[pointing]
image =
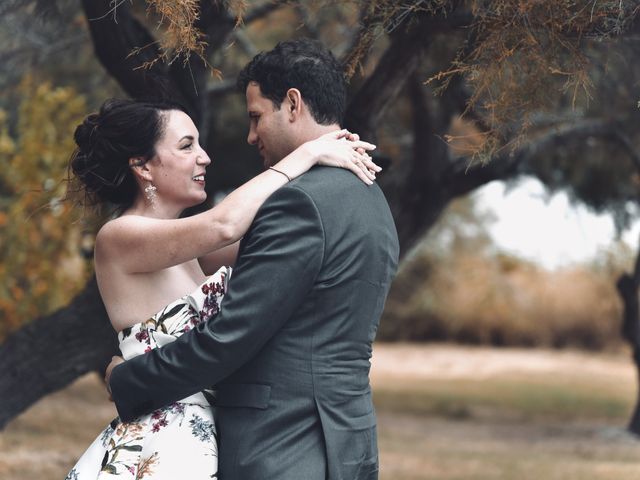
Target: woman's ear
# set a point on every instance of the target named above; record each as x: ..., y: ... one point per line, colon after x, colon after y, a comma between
x: 293, y: 103
x: 140, y: 168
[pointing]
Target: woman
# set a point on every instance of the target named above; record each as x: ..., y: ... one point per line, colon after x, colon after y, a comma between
x: 145, y: 158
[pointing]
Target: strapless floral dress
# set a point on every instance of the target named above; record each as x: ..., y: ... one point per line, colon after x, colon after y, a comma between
x: 175, y: 442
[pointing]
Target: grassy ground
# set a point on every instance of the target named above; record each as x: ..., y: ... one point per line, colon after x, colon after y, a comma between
x: 459, y: 413
x: 444, y: 412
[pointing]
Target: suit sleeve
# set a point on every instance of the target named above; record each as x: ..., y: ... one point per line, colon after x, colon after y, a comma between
x: 279, y: 260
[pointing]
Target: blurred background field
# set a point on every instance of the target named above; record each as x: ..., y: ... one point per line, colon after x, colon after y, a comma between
x: 445, y: 412
x: 448, y: 412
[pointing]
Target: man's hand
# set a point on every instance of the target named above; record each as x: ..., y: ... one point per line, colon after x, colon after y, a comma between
x: 115, y: 361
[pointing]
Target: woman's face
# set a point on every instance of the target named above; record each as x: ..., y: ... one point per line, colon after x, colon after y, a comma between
x: 178, y: 168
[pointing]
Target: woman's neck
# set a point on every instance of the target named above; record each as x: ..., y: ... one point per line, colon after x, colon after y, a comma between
x: 157, y: 209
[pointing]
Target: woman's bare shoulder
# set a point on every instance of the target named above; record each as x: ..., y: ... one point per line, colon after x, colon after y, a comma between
x: 114, y: 233
x: 119, y: 227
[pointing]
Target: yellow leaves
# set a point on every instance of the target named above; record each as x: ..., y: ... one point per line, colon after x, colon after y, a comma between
x: 17, y: 293
x: 7, y: 146
x: 238, y: 9
x: 181, y: 36
x: 526, y: 54
x: 41, y: 265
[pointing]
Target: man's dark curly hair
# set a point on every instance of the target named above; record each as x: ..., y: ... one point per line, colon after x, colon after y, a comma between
x: 303, y: 64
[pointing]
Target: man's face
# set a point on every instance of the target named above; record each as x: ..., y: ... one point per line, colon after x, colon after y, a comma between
x: 269, y: 128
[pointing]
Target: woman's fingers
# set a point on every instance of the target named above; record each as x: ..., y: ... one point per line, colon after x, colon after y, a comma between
x: 367, y: 160
x: 354, y: 164
x: 353, y: 137
x: 337, y: 134
x: 362, y: 167
x: 360, y: 173
x: 349, y: 152
x: 363, y: 145
x: 369, y: 163
x: 366, y: 163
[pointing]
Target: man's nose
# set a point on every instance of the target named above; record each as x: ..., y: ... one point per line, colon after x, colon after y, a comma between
x: 252, y: 138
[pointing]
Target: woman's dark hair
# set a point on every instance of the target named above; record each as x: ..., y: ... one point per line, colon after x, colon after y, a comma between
x: 106, y: 140
x: 303, y: 64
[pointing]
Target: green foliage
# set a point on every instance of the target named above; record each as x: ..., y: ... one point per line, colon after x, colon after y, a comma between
x: 41, y: 266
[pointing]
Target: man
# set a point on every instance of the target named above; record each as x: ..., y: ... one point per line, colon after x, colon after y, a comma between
x: 289, y: 352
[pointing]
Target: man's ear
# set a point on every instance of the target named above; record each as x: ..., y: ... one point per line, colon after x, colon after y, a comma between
x: 140, y: 168
x: 293, y: 103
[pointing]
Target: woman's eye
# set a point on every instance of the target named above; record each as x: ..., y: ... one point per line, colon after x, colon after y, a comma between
x: 187, y: 146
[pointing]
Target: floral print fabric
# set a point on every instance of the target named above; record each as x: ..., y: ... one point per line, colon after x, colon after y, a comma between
x: 177, y: 441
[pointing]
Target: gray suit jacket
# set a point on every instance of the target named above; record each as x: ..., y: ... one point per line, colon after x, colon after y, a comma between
x: 290, y: 349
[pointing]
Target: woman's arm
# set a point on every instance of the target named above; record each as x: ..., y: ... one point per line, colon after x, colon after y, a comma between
x: 225, y: 256
x: 136, y: 244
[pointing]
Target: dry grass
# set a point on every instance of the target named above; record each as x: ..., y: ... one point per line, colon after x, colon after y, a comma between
x: 421, y: 448
x: 44, y: 442
x: 450, y: 413
x: 504, y: 301
x: 445, y: 413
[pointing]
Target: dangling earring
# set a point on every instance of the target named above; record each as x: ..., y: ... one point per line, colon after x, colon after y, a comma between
x: 150, y: 194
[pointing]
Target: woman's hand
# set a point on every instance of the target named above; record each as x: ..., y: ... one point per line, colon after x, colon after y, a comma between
x: 345, y: 150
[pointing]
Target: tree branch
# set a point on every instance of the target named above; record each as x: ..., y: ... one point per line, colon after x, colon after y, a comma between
x: 626, y: 143
x: 244, y: 42
x: 399, y: 61
x: 263, y: 10
x: 464, y: 178
x: 310, y: 25
x: 221, y: 88
x: 385, y: 83
x: 19, y: 54
x: 49, y: 353
x: 189, y: 79
x: 361, y: 42
x: 417, y: 195
x: 114, y: 43
x: 10, y: 6
x: 634, y: 155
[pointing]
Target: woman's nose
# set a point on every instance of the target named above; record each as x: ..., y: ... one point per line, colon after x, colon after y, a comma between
x: 203, y: 158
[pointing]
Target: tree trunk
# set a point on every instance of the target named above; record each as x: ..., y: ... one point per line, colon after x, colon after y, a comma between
x: 125, y: 46
x: 51, y: 352
x: 114, y: 43
x: 628, y: 290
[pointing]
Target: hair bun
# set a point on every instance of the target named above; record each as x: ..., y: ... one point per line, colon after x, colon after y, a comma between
x: 86, y: 133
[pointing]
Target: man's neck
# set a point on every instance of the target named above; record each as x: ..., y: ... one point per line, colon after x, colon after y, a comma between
x: 316, y: 130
